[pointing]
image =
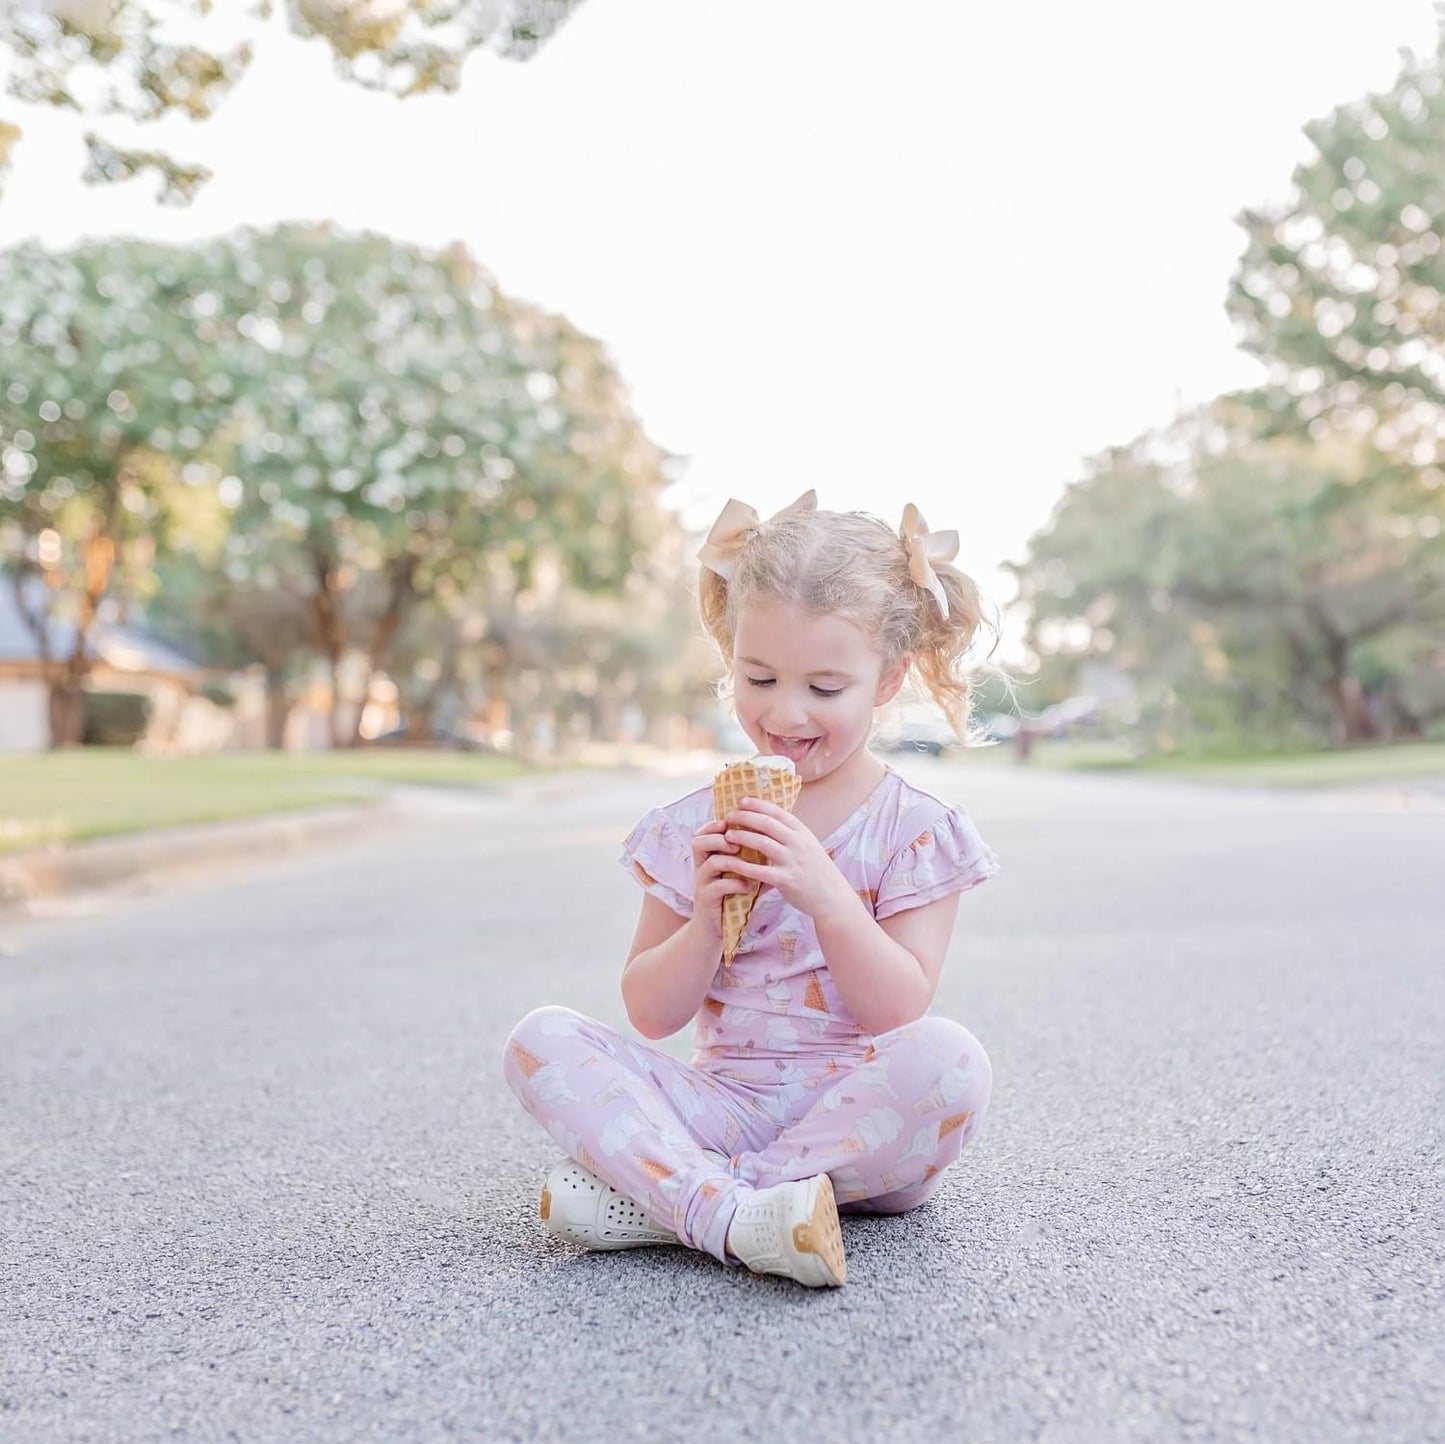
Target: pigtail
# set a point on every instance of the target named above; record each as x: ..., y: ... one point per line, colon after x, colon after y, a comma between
x: 712, y: 606
x: 942, y: 645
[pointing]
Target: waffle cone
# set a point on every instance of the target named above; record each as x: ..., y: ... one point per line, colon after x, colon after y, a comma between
x: 735, y: 782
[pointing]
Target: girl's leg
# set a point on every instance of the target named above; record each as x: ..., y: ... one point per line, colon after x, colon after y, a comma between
x: 654, y: 1128
x: 886, y: 1130
x: 900, y: 1202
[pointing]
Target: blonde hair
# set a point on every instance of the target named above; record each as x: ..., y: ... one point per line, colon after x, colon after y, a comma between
x: 854, y: 566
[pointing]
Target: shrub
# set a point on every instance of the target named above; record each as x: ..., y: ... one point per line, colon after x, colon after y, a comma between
x: 115, y: 719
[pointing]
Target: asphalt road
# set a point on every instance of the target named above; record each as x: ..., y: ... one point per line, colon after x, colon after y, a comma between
x: 260, y: 1178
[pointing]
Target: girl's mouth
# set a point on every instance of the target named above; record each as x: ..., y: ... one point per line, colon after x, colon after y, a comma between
x: 793, y: 748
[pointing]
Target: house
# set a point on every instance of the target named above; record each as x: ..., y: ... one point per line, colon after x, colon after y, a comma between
x: 123, y: 659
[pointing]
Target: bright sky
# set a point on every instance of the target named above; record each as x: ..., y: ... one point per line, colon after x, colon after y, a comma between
x: 941, y: 258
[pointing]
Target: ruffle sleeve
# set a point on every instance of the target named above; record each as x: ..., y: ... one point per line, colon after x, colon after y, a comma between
x: 659, y: 855
x: 948, y: 857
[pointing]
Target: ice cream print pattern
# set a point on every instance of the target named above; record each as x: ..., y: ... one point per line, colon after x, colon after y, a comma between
x: 775, y: 1002
x: 682, y: 1140
x: 782, y: 1085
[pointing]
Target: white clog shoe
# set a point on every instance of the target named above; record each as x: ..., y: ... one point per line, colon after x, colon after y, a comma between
x: 791, y: 1229
x: 583, y: 1209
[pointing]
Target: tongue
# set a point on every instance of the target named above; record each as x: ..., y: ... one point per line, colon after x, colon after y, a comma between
x: 793, y: 749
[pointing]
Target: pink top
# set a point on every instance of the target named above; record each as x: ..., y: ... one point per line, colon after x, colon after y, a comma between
x: 901, y: 848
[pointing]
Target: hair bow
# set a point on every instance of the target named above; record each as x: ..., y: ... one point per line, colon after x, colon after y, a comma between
x: 925, y: 548
x: 737, y: 522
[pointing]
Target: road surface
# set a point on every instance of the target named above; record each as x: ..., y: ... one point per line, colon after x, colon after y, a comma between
x: 260, y: 1178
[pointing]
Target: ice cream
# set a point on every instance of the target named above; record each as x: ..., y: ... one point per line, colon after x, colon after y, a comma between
x: 773, y: 779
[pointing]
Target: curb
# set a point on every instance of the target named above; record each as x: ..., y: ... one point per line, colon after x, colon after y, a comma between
x: 148, y: 857
x: 28, y: 877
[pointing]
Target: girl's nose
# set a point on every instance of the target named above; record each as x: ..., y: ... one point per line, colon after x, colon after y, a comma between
x: 786, y: 724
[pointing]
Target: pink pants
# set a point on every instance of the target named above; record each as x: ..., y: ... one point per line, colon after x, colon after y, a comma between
x: 681, y: 1140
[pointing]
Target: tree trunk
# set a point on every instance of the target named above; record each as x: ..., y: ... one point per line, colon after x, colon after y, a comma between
x: 1352, y: 719
x: 65, y: 678
x: 330, y: 634
x: 1346, y: 696
x: 496, y: 704
x: 278, y: 709
x: 418, y: 710
x: 416, y: 722
x: 67, y: 688
x: 66, y: 712
x: 399, y: 595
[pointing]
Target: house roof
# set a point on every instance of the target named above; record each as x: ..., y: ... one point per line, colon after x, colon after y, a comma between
x: 126, y: 649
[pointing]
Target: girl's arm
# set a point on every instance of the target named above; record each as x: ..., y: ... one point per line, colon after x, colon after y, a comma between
x: 668, y: 968
x: 886, y: 972
x: 673, y: 959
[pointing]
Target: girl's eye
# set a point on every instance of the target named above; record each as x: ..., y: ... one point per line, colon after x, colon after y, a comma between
x: 818, y: 691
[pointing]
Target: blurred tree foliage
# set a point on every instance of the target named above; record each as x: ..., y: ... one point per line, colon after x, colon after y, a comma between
x: 552, y: 658
x: 1341, y: 291
x: 140, y: 60
x: 1270, y: 567
x: 310, y: 437
x: 103, y: 438
x: 401, y: 418
x: 236, y: 623
x: 1252, y: 583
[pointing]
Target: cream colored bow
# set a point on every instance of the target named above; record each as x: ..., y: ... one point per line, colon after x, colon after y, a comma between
x: 737, y: 522
x: 925, y: 548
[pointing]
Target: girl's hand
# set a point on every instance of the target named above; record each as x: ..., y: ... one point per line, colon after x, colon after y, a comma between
x: 796, y: 863
x: 713, y: 860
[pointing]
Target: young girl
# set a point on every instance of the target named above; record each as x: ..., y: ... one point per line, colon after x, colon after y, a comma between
x: 815, y: 1072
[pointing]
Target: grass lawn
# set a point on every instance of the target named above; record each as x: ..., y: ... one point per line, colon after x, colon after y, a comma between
x: 1356, y: 766
x: 99, y: 792
x: 61, y: 797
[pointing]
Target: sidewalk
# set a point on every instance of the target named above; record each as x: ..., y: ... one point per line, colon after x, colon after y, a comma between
x: 144, y: 859
x: 28, y: 877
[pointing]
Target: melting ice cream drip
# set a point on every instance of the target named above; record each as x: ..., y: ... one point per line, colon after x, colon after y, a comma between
x: 772, y: 764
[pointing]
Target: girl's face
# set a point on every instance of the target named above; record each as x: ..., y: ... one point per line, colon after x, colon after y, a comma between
x: 805, y: 686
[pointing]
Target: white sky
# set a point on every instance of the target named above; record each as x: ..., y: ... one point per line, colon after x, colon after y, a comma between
x: 940, y: 258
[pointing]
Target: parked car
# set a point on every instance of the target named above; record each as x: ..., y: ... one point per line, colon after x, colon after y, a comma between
x: 1000, y: 726
x: 916, y: 727
x: 440, y: 740
x: 1063, y: 717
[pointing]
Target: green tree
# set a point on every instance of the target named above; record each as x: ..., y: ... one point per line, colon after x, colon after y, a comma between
x: 143, y: 59
x: 1341, y: 293
x: 1341, y: 289
x: 401, y: 417
x: 551, y: 655
x: 257, y: 617
x: 1249, y: 581
x: 107, y: 415
x: 384, y: 413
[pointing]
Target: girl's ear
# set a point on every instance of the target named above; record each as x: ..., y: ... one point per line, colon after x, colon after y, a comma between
x: 892, y: 680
